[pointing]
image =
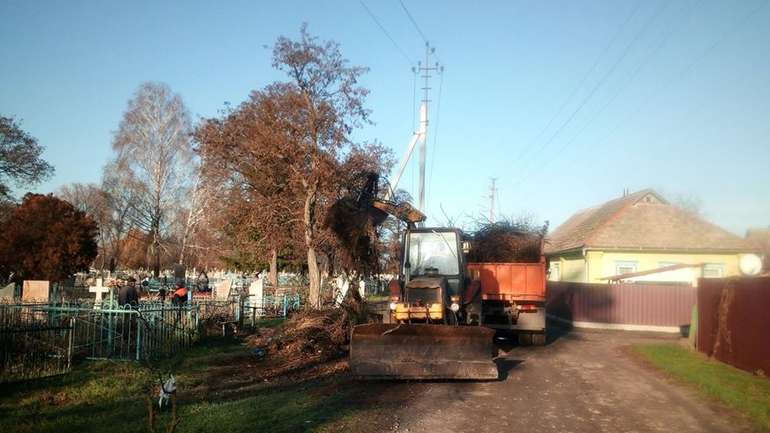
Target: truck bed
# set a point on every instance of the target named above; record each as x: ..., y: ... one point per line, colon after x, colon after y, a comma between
x: 510, y: 281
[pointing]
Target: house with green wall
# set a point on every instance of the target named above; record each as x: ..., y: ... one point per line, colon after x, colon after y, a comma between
x: 637, y: 234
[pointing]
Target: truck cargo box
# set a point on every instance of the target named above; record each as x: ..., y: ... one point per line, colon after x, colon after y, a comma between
x: 510, y: 281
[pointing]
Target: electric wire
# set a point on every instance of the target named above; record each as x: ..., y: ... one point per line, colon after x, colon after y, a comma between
x: 738, y: 24
x: 376, y: 21
x: 422, y: 35
x: 662, y: 6
x: 527, y: 149
x: 417, y: 27
x: 610, y: 100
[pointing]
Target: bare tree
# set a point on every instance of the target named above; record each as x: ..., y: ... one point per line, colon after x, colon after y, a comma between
x: 122, y: 195
x: 94, y: 202
x: 194, y: 215
x: 690, y: 203
x: 153, y: 149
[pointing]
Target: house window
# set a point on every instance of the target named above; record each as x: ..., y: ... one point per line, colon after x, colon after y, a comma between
x: 713, y: 270
x: 625, y: 267
x: 555, y: 272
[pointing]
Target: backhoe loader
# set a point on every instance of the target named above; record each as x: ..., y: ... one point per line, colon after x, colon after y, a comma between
x: 435, y: 330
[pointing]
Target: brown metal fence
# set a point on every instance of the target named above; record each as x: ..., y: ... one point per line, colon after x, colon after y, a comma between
x: 651, y: 305
x: 733, y: 323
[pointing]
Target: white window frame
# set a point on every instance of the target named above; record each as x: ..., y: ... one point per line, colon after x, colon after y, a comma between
x: 554, y: 276
x: 631, y: 264
x: 719, y: 267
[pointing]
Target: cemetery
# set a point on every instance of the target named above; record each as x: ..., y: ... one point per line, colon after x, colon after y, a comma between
x: 44, y: 331
x: 215, y: 219
x: 244, y: 330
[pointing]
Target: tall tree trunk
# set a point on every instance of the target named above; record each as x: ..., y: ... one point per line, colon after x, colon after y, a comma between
x: 182, y: 247
x: 156, y: 255
x: 314, y: 275
x: 273, y: 275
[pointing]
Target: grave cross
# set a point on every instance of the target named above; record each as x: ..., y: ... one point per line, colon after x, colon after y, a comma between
x: 99, y: 290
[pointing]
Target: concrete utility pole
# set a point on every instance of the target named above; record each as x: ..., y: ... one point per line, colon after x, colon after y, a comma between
x: 426, y: 70
x: 492, y: 194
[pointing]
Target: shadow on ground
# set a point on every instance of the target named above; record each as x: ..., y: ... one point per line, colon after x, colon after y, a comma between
x: 219, y: 390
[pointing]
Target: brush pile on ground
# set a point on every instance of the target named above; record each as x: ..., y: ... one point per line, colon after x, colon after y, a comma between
x: 309, y: 338
x: 507, y: 241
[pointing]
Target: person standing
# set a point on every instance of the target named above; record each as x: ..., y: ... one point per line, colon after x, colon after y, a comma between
x: 180, y: 294
x: 128, y: 294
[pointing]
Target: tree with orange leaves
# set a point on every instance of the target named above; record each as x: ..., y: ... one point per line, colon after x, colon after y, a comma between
x: 46, y: 238
x: 287, y: 153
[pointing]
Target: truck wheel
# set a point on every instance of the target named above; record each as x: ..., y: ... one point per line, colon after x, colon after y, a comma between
x: 538, y: 339
x: 525, y: 339
x: 450, y: 318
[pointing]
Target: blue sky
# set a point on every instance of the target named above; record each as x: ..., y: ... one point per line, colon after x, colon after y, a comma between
x: 566, y: 103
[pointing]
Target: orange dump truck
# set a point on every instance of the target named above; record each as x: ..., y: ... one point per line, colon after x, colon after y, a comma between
x: 512, y: 298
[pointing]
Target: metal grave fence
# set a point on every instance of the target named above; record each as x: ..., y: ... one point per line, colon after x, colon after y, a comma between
x: 34, y: 348
x: 39, y: 340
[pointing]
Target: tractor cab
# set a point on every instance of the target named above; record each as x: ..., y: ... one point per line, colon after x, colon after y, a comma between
x: 432, y: 276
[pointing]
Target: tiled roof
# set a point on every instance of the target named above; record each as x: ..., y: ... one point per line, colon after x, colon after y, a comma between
x: 642, y: 220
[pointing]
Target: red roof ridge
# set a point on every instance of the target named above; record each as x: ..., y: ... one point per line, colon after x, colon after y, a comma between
x: 638, y: 195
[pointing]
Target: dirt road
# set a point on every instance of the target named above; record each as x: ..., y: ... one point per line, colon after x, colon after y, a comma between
x: 581, y: 382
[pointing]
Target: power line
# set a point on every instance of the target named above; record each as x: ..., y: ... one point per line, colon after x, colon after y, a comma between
x: 492, y: 196
x: 604, y: 78
x: 738, y: 24
x: 403, y: 6
x: 376, y: 21
x: 417, y: 27
x: 610, y: 43
x: 610, y: 100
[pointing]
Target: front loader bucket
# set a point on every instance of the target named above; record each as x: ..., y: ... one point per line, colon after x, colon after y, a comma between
x: 420, y: 351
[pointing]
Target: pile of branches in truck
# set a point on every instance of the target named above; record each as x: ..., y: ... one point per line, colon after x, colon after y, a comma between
x: 507, y: 241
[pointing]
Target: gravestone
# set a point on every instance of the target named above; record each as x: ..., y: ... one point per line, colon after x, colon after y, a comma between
x: 222, y: 290
x: 180, y: 274
x: 8, y: 293
x: 256, y: 292
x: 35, y: 290
x: 99, y: 290
x: 343, y: 285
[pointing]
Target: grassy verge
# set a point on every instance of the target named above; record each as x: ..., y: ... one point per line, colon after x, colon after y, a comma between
x: 736, y: 388
x: 108, y: 396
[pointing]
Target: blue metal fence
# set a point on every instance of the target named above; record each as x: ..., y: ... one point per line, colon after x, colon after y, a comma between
x: 42, y: 339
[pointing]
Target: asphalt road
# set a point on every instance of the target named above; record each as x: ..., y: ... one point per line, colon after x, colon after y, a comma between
x: 581, y: 382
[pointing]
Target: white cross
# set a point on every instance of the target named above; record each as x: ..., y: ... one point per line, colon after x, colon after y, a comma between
x: 99, y: 290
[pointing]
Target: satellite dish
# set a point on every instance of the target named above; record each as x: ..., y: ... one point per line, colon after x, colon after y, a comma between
x: 750, y: 264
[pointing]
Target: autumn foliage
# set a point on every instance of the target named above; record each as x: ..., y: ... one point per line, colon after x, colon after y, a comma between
x: 46, y: 238
x: 286, y: 155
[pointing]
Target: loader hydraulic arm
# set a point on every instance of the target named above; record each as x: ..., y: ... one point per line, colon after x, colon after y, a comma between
x: 403, y: 211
